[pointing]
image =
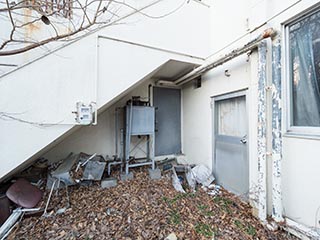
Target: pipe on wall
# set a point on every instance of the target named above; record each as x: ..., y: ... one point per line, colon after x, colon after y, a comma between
x: 262, y: 131
x: 265, y: 123
x: 268, y: 33
x: 277, y: 208
x: 263, y: 41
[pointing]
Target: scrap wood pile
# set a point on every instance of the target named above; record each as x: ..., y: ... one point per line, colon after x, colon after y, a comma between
x: 143, y: 209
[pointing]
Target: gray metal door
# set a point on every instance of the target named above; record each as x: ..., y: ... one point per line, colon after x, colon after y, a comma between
x: 168, y: 120
x: 231, y: 167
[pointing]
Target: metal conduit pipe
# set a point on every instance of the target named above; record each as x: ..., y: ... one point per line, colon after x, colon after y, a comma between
x: 270, y: 32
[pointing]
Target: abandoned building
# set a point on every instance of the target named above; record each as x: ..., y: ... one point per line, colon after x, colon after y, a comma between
x: 231, y: 85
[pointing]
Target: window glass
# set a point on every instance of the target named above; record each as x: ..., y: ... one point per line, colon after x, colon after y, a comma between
x: 304, y: 60
x: 232, y: 117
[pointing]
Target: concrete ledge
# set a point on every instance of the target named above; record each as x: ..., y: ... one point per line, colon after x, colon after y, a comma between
x: 301, y: 231
x: 109, y: 182
x: 125, y: 177
x: 155, y: 174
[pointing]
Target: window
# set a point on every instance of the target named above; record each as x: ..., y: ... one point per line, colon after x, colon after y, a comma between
x: 304, y: 70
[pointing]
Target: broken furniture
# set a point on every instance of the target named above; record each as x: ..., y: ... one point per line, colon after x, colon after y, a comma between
x: 109, y: 182
x: 4, y: 209
x: 93, y: 170
x: 166, y: 164
x: 76, y: 168
x: 24, y: 193
x: 63, y: 172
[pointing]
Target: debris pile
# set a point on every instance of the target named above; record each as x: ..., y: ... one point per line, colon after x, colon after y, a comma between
x: 142, y: 209
x: 19, y: 196
x: 76, y: 168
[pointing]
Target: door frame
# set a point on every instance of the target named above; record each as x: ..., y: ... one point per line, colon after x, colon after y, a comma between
x: 225, y: 96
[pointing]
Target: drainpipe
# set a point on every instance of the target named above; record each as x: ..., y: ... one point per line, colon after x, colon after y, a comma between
x: 262, y: 131
x: 269, y: 128
x: 276, y: 133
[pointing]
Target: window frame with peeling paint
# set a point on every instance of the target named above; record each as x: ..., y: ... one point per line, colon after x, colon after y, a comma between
x: 302, y: 111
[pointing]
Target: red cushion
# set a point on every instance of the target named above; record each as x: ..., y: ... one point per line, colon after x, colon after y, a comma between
x: 24, y: 194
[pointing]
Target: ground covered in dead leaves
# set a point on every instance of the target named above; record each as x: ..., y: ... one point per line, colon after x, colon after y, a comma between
x: 144, y: 209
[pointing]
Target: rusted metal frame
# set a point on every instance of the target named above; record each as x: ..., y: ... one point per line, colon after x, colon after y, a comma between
x: 276, y: 133
x: 262, y: 131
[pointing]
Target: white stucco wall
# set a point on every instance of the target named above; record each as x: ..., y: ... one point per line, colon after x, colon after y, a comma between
x: 300, y: 161
x: 197, y: 113
x: 46, y: 90
x: 172, y: 25
x: 229, y: 27
x: 301, y: 195
x: 99, y: 139
x: 301, y: 199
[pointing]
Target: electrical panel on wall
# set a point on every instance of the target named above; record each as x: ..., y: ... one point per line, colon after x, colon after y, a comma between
x: 85, y: 114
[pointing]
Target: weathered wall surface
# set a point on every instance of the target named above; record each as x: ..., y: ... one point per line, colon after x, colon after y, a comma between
x: 90, y: 70
x: 99, y: 139
x: 231, y: 28
x: 300, y: 177
x: 197, y: 113
x: 172, y: 25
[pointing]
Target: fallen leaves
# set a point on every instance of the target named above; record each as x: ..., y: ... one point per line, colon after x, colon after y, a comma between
x: 144, y: 209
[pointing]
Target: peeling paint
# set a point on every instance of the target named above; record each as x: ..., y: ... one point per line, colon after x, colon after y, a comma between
x: 276, y: 133
x: 262, y: 133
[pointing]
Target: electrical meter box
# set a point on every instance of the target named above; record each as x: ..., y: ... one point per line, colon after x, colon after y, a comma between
x: 84, y: 114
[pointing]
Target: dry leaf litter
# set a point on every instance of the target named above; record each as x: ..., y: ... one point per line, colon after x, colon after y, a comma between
x: 143, y: 209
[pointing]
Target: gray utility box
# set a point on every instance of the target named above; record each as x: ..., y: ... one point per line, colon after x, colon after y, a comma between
x: 140, y: 120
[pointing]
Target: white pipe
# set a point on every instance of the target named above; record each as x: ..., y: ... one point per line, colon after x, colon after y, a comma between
x: 45, y: 214
x: 262, y: 132
x: 268, y: 109
x: 235, y: 53
x: 277, y: 208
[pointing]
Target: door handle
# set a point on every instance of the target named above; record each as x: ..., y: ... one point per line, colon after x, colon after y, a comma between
x: 243, y: 140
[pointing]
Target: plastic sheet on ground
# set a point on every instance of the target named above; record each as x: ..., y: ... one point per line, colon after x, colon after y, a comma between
x: 200, y: 174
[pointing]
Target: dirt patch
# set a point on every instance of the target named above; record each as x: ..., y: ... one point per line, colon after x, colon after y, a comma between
x: 144, y: 209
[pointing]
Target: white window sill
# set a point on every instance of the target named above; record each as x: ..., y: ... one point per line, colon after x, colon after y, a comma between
x: 302, y: 135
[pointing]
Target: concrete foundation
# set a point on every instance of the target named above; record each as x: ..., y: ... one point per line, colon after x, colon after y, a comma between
x: 109, y: 182
x: 125, y: 177
x: 155, y: 174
